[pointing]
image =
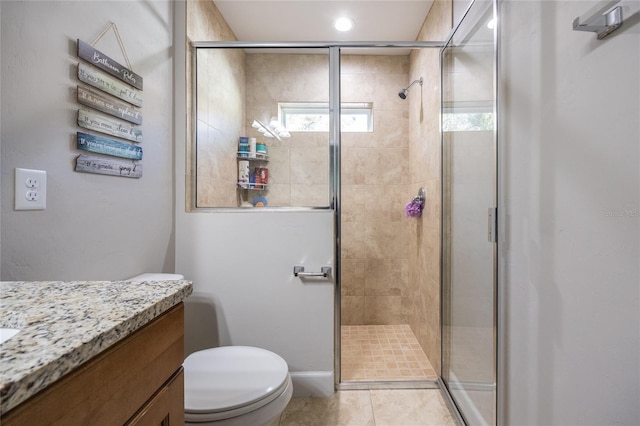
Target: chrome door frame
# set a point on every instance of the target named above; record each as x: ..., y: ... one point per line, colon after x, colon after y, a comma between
x: 334, y: 143
x: 497, y: 419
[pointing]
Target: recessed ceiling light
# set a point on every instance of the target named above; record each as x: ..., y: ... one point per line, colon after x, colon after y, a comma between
x: 343, y: 24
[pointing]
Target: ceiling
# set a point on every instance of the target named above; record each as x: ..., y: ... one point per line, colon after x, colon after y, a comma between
x: 312, y: 20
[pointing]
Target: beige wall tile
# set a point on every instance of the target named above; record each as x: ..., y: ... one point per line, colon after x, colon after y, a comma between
x: 353, y: 277
x: 386, y: 277
x: 279, y: 167
x: 314, y: 195
x: 279, y: 195
x: 391, y: 128
x: 352, y: 310
x: 353, y: 245
x: 391, y: 167
x: 386, y: 240
x: 356, y: 162
x: 354, y: 198
x: 385, y: 203
x: 383, y: 310
x: 309, y: 165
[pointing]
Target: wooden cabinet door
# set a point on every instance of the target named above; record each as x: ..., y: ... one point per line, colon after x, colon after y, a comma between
x: 166, y: 406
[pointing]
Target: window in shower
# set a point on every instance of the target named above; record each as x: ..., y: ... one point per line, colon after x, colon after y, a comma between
x: 468, y: 117
x: 314, y: 116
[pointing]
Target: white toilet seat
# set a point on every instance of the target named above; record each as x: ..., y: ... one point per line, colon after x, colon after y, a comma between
x: 230, y: 381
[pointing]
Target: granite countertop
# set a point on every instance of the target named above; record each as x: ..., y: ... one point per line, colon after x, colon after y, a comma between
x: 64, y: 324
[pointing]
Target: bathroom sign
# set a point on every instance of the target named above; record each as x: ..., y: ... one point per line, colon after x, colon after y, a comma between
x: 100, y: 145
x: 109, y: 106
x: 105, y: 63
x: 108, y: 166
x: 102, y: 81
x: 100, y: 123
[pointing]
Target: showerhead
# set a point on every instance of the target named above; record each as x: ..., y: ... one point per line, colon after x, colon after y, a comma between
x: 403, y: 93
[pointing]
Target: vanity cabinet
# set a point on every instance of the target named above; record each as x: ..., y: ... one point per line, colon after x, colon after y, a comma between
x: 137, y: 381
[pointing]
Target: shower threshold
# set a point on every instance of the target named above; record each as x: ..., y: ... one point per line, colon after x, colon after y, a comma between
x: 427, y: 384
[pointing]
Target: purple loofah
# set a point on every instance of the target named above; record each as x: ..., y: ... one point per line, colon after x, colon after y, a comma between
x: 413, y: 208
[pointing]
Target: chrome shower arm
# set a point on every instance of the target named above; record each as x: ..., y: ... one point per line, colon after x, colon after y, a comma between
x: 414, y: 82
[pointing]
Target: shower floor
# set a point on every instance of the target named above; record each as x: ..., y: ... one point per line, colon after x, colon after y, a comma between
x: 383, y: 353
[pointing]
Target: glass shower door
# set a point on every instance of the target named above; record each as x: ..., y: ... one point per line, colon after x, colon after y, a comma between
x: 469, y: 176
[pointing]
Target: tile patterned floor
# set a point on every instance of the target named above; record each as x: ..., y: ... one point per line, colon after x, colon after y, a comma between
x: 383, y: 353
x: 397, y: 407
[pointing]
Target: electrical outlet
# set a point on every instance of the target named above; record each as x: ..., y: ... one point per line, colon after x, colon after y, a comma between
x: 30, y: 189
x: 32, y: 182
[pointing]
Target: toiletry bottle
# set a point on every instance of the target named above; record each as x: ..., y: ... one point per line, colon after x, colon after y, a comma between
x: 252, y: 147
x: 243, y: 147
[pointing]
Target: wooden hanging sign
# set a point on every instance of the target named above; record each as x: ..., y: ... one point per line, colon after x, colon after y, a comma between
x: 109, y: 106
x: 108, y: 166
x: 100, y: 80
x: 101, y: 123
x: 100, y: 145
x: 105, y: 63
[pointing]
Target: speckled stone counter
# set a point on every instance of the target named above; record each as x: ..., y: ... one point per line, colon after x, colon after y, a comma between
x: 64, y: 324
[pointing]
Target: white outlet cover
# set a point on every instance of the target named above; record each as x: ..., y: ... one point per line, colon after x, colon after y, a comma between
x: 30, y: 189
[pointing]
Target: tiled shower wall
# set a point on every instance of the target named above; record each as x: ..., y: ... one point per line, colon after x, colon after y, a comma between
x: 219, y: 123
x: 375, y: 178
x: 299, y: 165
x: 422, y: 301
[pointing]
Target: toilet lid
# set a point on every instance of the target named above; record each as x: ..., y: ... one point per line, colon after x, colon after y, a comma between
x: 230, y: 377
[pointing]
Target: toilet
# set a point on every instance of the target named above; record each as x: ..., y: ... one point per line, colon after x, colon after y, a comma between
x: 232, y: 385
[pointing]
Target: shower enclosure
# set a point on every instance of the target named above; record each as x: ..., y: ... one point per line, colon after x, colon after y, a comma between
x: 336, y: 198
x: 363, y: 168
x: 469, y: 243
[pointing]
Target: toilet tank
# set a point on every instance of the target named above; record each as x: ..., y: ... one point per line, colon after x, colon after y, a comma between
x: 156, y: 276
x: 200, y: 315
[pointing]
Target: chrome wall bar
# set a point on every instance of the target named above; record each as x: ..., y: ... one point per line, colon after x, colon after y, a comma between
x: 298, y: 271
x: 600, y: 19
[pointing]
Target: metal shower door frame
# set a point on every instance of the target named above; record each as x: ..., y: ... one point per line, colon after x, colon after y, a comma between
x: 494, y: 228
x: 334, y: 141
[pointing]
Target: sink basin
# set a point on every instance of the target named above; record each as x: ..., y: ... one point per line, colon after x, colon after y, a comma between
x: 7, y: 333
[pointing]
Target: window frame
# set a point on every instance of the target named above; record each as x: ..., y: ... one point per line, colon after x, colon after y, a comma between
x: 322, y: 108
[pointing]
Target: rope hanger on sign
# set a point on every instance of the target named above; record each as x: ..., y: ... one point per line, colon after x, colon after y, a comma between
x: 113, y: 26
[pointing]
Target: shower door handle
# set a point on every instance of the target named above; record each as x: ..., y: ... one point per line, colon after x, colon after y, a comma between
x: 492, y: 225
x: 298, y: 271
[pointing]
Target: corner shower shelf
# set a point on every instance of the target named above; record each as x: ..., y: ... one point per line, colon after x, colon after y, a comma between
x: 252, y: 186
x: 259, y: 156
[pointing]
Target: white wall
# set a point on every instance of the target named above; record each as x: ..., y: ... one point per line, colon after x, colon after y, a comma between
x: 94, y: 227
x: 570, y: 223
